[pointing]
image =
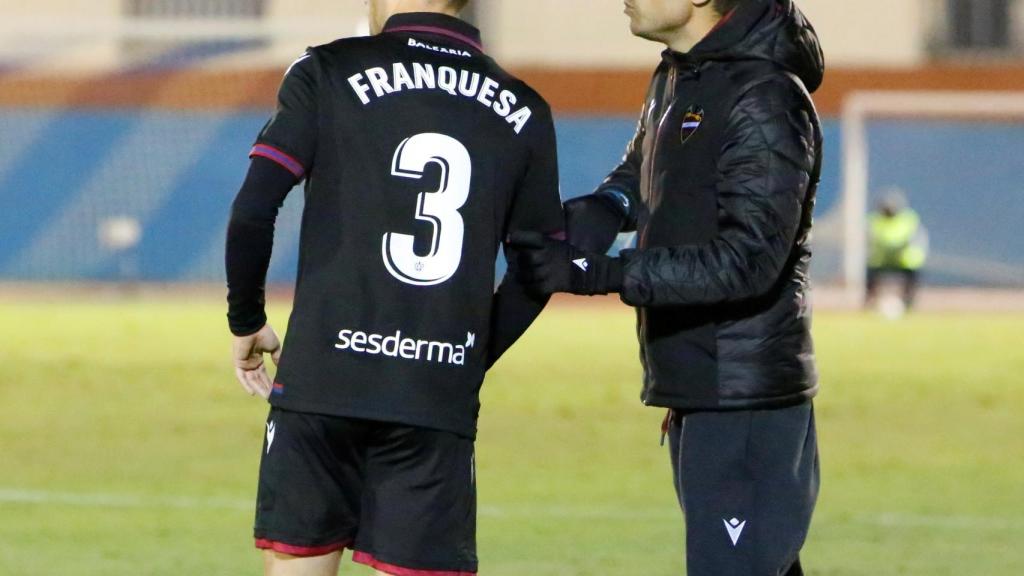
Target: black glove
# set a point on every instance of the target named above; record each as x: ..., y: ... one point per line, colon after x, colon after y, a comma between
x: 547, y: 266
x: 593, y: 221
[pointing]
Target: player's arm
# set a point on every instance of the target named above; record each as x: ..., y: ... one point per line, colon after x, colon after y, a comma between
x: 513, y: 311
x: 250, y: 241
x: 536, y: 207
x: 593, y: 221
x: 280, y: 159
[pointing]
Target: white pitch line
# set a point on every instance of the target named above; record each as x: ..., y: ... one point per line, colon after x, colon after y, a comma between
x: 110, y: 500
x: 104, y: 500
x: 956, y: 522
x: 579, y: 512
x: 574, y: 512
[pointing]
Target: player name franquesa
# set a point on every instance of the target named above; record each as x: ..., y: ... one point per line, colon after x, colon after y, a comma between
x: 397, y: 346
x: 380, y: 81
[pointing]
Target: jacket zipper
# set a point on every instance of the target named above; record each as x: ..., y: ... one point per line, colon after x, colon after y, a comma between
x: 670, y: 102
x: 642, y: 241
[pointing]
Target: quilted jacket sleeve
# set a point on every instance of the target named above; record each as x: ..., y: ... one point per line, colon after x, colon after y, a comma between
x: 765, y: 170
x: 622, y: 186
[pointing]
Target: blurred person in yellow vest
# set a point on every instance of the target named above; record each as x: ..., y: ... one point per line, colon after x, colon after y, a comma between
x: 898, y: 246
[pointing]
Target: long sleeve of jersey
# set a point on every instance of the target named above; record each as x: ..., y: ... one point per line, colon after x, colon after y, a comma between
x: 282, y: 156
x: 536, y: 206
x: 250, y: 242
x: 512, y: 313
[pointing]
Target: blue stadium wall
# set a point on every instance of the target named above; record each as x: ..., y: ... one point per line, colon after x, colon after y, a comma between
x: 62, y: 173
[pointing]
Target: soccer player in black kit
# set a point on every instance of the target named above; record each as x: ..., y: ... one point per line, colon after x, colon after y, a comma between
x: 419, y: 155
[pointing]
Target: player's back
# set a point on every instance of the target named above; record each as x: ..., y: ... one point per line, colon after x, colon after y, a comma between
x: 420, y: 154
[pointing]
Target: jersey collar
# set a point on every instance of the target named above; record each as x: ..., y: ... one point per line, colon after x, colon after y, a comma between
x: 434, y: 24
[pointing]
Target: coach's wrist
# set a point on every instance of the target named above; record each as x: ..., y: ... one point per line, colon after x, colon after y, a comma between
x: 605, y: 275
x: 616, y: 200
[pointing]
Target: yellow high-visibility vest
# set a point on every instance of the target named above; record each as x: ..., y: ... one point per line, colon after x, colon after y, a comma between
x: 895, y: 241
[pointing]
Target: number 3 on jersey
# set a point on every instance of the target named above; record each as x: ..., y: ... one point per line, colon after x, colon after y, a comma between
x: 440, y: 208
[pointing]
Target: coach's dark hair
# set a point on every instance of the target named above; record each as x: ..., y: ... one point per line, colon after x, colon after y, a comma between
x: 723, y: 7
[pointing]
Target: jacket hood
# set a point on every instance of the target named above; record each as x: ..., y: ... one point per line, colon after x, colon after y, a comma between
x: 772, y: 30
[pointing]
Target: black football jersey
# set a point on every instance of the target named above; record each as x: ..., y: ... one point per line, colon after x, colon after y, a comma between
x: 420, y: 155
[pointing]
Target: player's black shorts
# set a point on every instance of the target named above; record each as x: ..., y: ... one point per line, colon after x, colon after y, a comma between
x: 402, y: 498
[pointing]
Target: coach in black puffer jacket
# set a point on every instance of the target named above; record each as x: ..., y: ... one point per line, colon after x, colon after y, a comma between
x: 720, y: 277
x: 719, y: 183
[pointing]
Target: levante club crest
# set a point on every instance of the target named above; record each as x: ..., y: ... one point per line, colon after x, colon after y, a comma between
x: 691, y: 121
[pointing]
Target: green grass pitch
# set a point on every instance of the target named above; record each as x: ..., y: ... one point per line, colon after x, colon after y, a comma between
x: 126, y: 447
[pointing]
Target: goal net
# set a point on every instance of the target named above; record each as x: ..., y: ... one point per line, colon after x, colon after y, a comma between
x: 125, y: 125
x: 955, y: 156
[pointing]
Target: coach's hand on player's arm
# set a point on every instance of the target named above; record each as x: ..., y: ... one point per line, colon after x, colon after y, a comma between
x: 250, y: 368
x: 548, y: 265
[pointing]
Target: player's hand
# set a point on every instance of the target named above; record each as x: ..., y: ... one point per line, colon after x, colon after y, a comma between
x: 248, y: 356
x: 548, y: 266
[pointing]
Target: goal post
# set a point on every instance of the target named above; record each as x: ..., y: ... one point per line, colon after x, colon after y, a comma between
x: 861, y: 107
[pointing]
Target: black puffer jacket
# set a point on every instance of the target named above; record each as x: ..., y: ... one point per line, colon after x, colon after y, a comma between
x: 719, y: 182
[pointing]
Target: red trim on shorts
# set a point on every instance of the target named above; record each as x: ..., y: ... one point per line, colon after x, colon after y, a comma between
x: 368, y: 560
x: 301, y: 551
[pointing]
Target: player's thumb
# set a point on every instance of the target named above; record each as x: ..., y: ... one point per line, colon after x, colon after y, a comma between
x: 526, y: 239
x: 275, y: 351
x: 271, y: 344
